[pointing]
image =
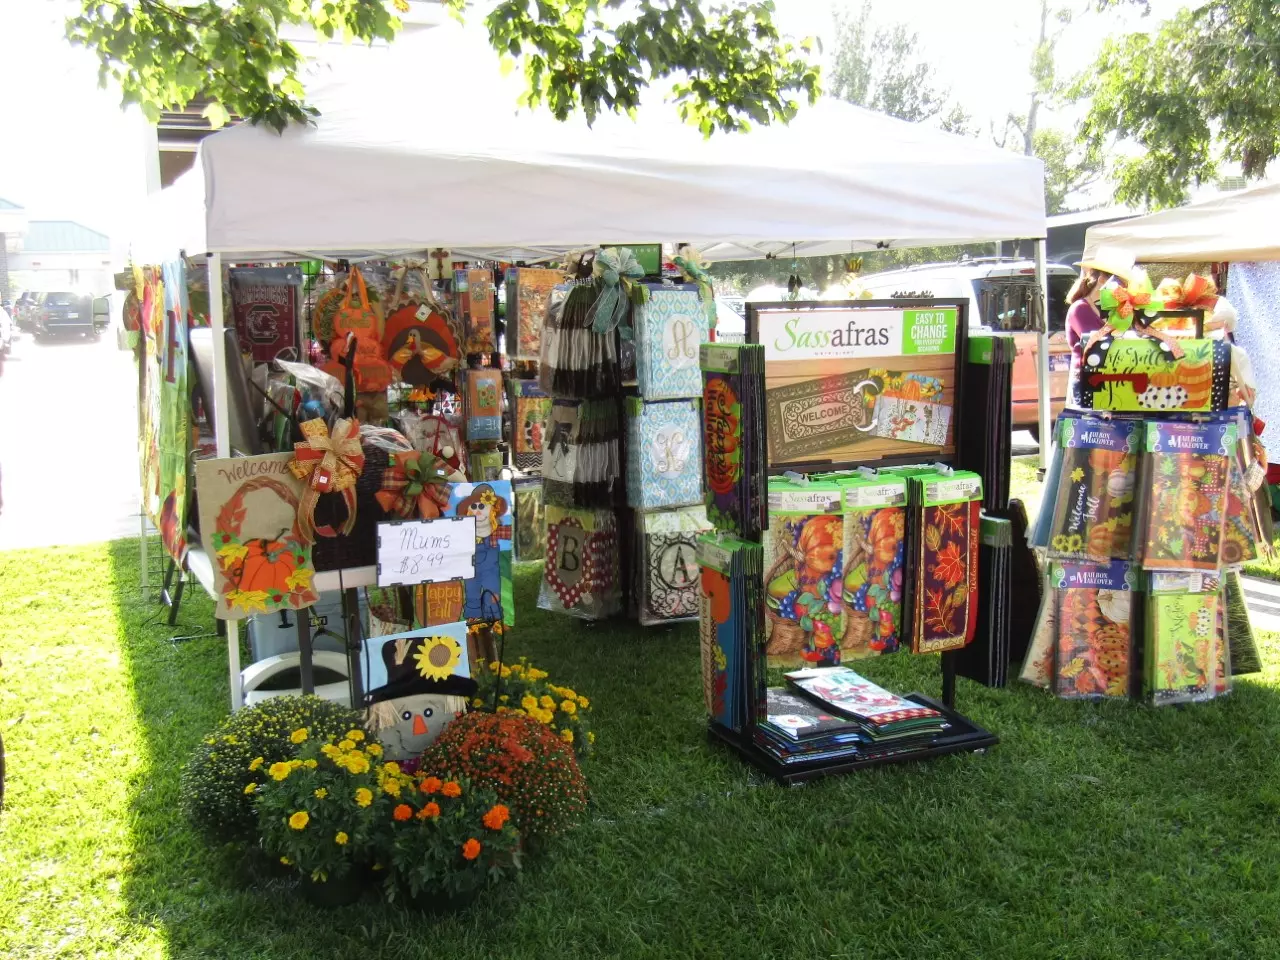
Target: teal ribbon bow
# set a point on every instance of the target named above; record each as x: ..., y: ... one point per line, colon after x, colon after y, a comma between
x: 689, y: 263
x: 617, y: 269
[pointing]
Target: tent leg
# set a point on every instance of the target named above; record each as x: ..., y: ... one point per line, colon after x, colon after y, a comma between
x: 1042, y: 357
x: 233, y: 664
x: 221, y: 411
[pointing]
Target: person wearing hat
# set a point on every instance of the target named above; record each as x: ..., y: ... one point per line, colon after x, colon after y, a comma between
x: 1083, y: 315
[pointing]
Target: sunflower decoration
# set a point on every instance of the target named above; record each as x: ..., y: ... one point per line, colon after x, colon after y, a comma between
x: 437, y: 657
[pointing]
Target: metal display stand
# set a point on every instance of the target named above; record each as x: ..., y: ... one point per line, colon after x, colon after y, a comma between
x: 964, y: 736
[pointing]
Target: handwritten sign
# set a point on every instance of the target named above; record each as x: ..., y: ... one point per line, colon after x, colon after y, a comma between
x: 426, y: 551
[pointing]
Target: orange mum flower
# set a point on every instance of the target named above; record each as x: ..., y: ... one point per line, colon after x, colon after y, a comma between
x: 402, y: 812
x: 496, y: 817
x: 471, y: 849
x: 452, y: 789
x: 431, y: 810
x: 430, y: 785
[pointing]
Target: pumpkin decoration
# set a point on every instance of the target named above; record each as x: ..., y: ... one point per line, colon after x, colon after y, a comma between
x: 820, y: 540
x: 267, y: 566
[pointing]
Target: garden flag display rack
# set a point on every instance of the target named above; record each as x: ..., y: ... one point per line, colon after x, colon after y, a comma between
x: 799, y: 594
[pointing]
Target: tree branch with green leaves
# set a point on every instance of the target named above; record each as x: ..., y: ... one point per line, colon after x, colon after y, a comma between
x: 1173, y: 106
x: 726, y: 67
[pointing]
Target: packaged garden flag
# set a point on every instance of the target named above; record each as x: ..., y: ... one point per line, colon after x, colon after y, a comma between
x: 874, y: 510
x: 530, y: 408
x: 1188, y: 655
x: 664, y: 454
x: 581, y: 572
x: 484, y: 405
x: 729, y: 628
x: 1093, y: 647
x: 736, y: 467
x: 666, y: 572
x: 670, y: 329
x: 804, y: 579
x: 528, y: 289
x: 1093, y: 514
x: 1189, y: 468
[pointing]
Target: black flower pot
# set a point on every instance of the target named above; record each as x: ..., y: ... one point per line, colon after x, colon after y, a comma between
x: 336, y: 891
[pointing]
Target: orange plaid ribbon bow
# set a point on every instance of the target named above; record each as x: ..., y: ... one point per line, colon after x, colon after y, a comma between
x: 330, y: 462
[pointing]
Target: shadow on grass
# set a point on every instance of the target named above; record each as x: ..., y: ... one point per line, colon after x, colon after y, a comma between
x: 1093, y: 829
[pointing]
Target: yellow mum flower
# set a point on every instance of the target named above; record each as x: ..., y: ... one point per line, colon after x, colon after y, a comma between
x: 341, y: 839
x: 279, y: 770
x: 250, y: 787
x: 591, y: 737
x: 569, y: 706
x: 321, y: 793
x: 300, y: 820
x: 504, y: 698
x: 374, y: 749
x: 505, y: 673
x: 357, y: 764
x: 364, y: 797
x: 330, y: 751
x: 356, y: 735
x: 547, y: 703
x: 299, y: 735
x: 530, y: 703
x: 255, y: 763
x: 310, y: 764
x: 493, y: 666
x: 346, y: 745
x: 547, y: 716
x: 286, y: 861
x: 391, y: 787
x: 584, y: 703
x: 568, y: 694
x: 566, y: 736
x: 391, y: 767
x: 477, y: 702
x: 517, y: 668
x: 536, y: 674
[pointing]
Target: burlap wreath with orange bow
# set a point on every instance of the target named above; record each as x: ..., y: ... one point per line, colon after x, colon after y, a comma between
x: 330, y: 462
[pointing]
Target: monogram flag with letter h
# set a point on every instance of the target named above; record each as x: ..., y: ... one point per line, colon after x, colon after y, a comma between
x: 670, y: 328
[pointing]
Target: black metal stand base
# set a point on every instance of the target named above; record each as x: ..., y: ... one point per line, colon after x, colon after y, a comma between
x: 965, y: 736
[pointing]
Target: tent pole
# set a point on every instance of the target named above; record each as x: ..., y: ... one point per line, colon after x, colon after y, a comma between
x: 221, y: 412
x: 222, y: 435
x: 1042, y: 356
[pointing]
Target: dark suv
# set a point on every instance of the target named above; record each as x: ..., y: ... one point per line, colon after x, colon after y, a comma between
x: 58, y: 314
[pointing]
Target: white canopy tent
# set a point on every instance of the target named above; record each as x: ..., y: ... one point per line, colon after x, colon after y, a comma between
x: 1238, y: 226
x: 420, y: 145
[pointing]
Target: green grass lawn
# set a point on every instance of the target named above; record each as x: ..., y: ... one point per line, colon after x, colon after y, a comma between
x: 1090, y: 831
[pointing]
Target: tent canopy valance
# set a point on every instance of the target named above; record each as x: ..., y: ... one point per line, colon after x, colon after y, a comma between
x: 1239, y: 227
x: 421, y: 144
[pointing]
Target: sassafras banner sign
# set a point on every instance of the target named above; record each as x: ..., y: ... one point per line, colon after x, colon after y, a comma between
x: 859, y: 381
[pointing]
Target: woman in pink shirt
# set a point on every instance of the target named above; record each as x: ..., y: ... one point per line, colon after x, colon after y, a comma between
x: 1083, y: 315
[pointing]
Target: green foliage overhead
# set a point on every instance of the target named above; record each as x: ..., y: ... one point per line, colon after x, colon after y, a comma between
x: 1203, y: 90
x: 727, y: 67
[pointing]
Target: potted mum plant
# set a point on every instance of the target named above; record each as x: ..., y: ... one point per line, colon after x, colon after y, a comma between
x: 533, y: 772
x: 324, y: 812
x: 523, y: 688
x: 450, y: 840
